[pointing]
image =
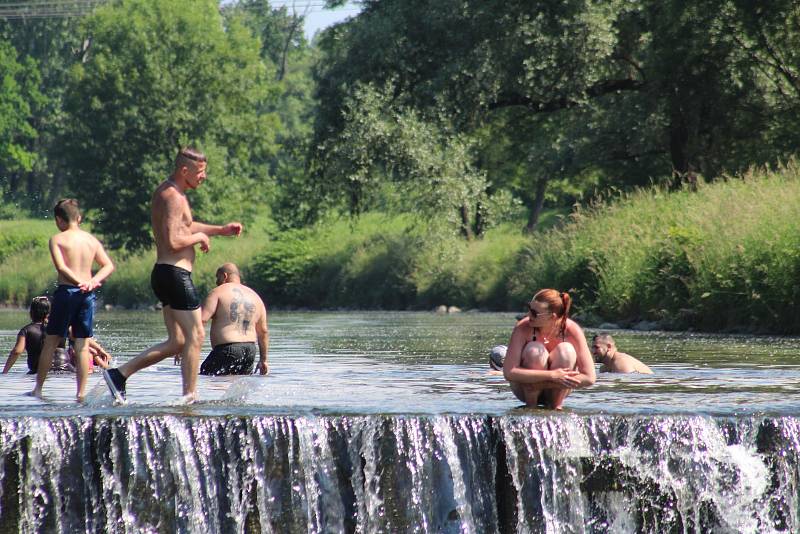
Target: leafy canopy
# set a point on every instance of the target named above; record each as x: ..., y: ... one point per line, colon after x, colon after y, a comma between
x: 173, y: 74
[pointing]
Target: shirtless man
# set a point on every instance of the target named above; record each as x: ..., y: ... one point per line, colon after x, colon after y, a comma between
x: 238, y: 320
x: 176, y: 235
x: 73, y: 252
x: 605, y: 351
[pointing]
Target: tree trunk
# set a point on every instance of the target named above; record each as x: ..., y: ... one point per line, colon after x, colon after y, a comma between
x: 678, y: 146
x: 538, y: 204
x: 478, y: 220
x: 466, y: 227
x: 297, y: 20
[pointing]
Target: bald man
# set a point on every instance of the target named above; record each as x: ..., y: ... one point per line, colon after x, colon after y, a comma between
x: 605, y: 352
x: 238, y: 321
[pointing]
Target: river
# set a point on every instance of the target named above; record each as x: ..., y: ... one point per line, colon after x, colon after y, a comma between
x: 390, y: 422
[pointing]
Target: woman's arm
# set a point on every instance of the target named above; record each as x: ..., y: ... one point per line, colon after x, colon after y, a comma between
x: 512, y: 364
x: 584, y: 363
x: 19, y: 348
x: 98, y: 353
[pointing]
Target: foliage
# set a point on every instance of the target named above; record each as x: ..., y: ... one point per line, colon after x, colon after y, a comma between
x: 578, y: 96
x: 19, y: 95
x: 25, y: 266
x: 171, y: 75
x: 17, y: 237
x: 51, y: 46
x: 433, y: 168
x: 680, y: 258
x: 334, y: 265
x: 284, y: 46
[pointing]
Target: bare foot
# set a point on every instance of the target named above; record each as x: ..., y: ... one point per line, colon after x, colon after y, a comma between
x: 189, y: 398
x: 35, y: 393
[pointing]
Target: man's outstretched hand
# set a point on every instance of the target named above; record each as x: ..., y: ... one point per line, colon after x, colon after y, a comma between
x: 234, y: 228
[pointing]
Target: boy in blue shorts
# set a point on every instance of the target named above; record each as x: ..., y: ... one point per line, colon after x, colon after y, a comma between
x: 74, y: 252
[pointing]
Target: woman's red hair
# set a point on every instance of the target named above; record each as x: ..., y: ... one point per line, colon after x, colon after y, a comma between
x: 558, y: 303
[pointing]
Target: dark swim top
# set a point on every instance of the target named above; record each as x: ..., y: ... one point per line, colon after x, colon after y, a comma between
x: 34, y: 341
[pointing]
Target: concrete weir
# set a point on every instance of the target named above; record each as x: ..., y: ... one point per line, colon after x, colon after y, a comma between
x: 482, y: 473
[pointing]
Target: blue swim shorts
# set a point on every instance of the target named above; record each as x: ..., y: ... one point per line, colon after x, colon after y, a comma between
x: 71, y: 307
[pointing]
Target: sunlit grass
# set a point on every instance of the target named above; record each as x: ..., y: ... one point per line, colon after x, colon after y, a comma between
x: 724, y: 257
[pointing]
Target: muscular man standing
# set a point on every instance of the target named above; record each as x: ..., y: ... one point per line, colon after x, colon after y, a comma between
x: 176, y: 235
x: 238, y: 320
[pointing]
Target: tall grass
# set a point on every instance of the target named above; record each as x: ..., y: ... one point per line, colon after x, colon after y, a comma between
x: 726, y: 257
x: 25, y: 266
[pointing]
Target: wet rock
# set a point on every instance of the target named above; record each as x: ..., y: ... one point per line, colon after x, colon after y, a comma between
x: 646, y: 326
x: 453, y: 309
x: 608, y: 326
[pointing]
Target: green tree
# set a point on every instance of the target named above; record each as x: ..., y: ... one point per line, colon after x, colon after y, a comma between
x: 284, y: 46
x: 432, y: 167
x: 598, y: 94
x: 485, y: 65
x: 19, y: 98
x: 54, y: 45
x: 159, y: 75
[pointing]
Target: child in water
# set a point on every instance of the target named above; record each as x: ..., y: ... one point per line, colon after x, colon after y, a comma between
x: 30, y: 340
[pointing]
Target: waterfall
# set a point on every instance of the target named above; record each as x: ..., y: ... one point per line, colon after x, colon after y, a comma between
x: 465, y: 473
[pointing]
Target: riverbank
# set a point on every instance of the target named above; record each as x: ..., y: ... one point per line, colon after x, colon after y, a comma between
x: 723, y: 258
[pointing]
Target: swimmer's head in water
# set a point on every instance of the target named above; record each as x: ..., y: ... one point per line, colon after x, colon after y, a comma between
x: 497, y: 357
x: 68, y: 210
x: 40, y: 308
x: 602, y: 344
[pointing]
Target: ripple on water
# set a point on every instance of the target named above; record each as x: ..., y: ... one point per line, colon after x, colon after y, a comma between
x: 382, y: 362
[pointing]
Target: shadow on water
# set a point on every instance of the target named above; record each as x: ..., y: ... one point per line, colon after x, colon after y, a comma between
x: 389, y: 422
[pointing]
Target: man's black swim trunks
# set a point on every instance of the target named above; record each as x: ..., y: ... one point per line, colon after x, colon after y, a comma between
x: 230, y: 359
x: 173, y: 287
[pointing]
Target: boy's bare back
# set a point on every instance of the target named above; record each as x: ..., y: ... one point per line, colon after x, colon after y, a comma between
x: 76, y: 250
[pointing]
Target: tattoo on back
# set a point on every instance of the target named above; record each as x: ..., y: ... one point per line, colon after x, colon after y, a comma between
x: 242, y: 310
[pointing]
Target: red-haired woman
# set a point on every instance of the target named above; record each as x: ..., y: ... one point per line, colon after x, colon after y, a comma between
x: 548, y: 355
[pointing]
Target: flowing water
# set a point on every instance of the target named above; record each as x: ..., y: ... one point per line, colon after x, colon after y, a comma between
x: 390, y: 422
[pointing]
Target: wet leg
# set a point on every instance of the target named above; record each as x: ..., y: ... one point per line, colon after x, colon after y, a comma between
x: 51, y: 342
x: 534, y: 356
x: 562, y: 357
x: 191, y: 326
x: 81, y: 366
x: 173, y: 345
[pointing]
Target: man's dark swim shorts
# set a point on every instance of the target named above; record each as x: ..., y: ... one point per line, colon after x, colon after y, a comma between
x: 173, y: 287
x: 230, y: 359
x: 71, y: 307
